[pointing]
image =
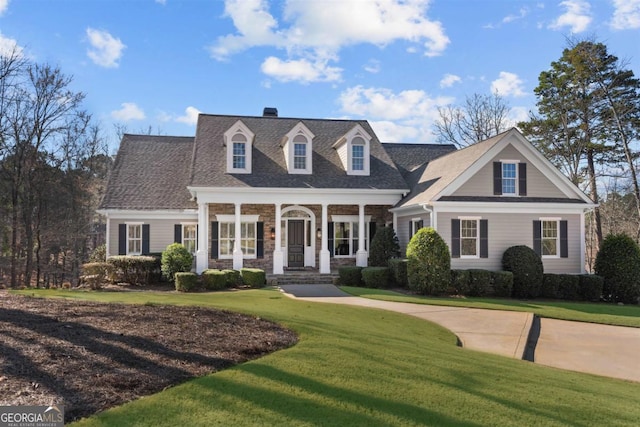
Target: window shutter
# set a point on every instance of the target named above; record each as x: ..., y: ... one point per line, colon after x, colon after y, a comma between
x: 497, y: 178
x: 522, y: 179
x: 177, y: 233
x: 484, y: 238
x: 411, y: 230
x: 122, y: 239
x: 420, y: 225
x: 260, y: 239
x: 330, y: 238
x: 455, y: 238
x: 564, y: 241
x: 537, y: 237
x: 372, y: 231
x: 214, y: 239
x: 145, y: 239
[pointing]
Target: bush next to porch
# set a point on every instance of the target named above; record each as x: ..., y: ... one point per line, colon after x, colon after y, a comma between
x: 429, y: 263
x: 398, y: 272
x: 350, y: 275
x: 175, y: 258
x: 214, y: 280
x: 232, y: 278
x: 375, y: 277
x: 384, y: 247
x: 185, y: 282
x: 526, y: 266
x: 253, y: 277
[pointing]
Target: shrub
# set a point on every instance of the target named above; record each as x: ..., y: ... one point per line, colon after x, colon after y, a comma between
x: 460, y: 281
x: 134, y: 270
x: 569, y: 287
x: 550, y: 285
x: 428, y: 262
x: 175, y: 259
x: 232, y: 278
x: 214, y: 280
x: 375, y: 277
x: 591, y: 287
x: 185, y: 282
x: 618, y: 262
x: 253, y: 277
x: 384, y: 246
x: 99, y: 254
x: 526, y: 266
x: 350, y: 275
x: 398, y: 272
x: 479, y: 283
x: 502, y: 283
x: 95, y: 274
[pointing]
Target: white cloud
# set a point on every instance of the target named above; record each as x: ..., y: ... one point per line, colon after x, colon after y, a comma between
x: 577, y: 16
x: 162, y: 2
x: 514, y: 17
x: 301, y: 70
x: 387, y: 131
x: 313, y: 31
x: 4, y: 4
x: 129, y: 111
x: 626, y: 15
x: 373, y: 66
x: 190, y: 116
x: 517, y: 115
x: 105, y: 50
x: 9, y: 46
x: 508, y: 84
x: 449, y: 80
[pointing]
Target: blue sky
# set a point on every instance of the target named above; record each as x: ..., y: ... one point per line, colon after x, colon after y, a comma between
x: 157, y: 63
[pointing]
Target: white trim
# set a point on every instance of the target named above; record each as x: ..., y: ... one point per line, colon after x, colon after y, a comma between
x: 349, y: 218
x: 177, y: 214
x: 516, y: 184
x: 477, y: 221
x: 542, y: 238
x: 289, y: 149
x: 344, y: 148
x: 513, y: 207
x: 127, y: 225
x: 183, y: 224
x: 239, y: 128
x: 471, y: 218
x: 233, y: 222
x: 583, y: 245
x: 232, y: 218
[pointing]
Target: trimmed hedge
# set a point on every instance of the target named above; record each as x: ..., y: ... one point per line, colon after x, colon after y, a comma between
x: 350, y: 275
x: 175, y: 259
x: 429, y: 263
x: 526, y: 266
x: 502, y: 283
x: 479, y: 282
x: 132, y: 269
x: 618, y: 262
x: 591, y: 287
x: 253, y: 277
x: 375, y: 277
x: 186, y: 282
x: 398, y: 272
x: 233, y: 278
x: 550, y: 285
x: 95, y: 274
x: 214, y: 280
x: 569, y: 287
x: 460, y: 281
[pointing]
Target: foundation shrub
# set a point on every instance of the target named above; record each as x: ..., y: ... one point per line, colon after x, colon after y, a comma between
x: 214, y: 280
x: 526, y: 266
x: 175, y: 259
x: 375, y: 277
x: 350, y: 275
x: 591, y: 287
x: 95, y: 274
x: 550, y: 285
x: 132, y: 269
x: 384, y: 246
x: 618, y: 262
x: 428, y: 263
x: 253, y: 277
x: 398, y: 272
x: 569, y: 287
x: 460, y: 281
x: 185, y: 282
x: 232, y: 278
x: 502, y: 283
x: 479, y: 282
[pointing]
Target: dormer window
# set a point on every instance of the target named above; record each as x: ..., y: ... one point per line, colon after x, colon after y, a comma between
x: 298, y: 149
x: 238, y: 140
x: 353, y: 150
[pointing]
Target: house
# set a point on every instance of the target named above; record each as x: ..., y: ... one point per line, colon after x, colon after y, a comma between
x: 286, y: 193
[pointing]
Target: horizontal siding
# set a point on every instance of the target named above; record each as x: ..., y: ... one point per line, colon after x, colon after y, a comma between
x: 403, y: 232
x: 481, y: 184
x: 161, y: 233
x: 506, y: 230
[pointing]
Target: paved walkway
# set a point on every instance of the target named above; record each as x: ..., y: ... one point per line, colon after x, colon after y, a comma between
x: 611, y: 351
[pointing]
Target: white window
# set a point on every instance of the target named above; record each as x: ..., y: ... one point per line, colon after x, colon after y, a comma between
x: 354, y: 151
x: 238, y: 140
x: 300, y: 152
x: 239, y: 151
x: 134, y: 239
x: 227, y: 236
x: 346, y: 238
x: 469, y: 242
x: 416, y: 224
x: 550, y: 237
x: 190, y: 237
x: 509, y: 178
x: 298, y: 149
x: 357, y: 154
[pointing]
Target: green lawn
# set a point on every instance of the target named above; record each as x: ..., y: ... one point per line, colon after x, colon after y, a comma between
x: 608, y: 314
x: 359, y: 366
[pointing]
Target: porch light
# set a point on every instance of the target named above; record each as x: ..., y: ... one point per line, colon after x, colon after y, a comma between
x: 318, y: 234
x: 273, y: 234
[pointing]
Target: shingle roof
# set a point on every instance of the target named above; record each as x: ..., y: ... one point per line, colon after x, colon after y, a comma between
x: 268, y: 164
x: 150, y: 172
x: 408, y: 157
x: 498, y: 199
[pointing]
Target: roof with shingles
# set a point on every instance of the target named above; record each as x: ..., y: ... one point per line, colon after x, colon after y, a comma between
x: 408, y: 157
x: 150, y: 172
x: 268, y: 159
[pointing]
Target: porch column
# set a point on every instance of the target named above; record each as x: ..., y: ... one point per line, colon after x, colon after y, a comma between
x: 278, y: 257
x: 361, y: 255
x: 237, y: 244
x: 325, y: 258
x: 202, y: 254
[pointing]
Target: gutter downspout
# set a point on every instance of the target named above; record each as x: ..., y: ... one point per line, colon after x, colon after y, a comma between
x: 432, y: 218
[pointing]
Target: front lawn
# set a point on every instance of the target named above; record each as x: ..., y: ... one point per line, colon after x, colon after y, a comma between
x: 608, y: 314
x: 359, y: 366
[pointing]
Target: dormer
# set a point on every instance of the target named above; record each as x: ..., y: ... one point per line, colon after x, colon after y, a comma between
x: 239, y: 141
x: 353, y: 149
x: 298, y: 149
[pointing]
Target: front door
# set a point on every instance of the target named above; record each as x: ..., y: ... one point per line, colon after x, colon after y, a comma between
x: 295, y: 243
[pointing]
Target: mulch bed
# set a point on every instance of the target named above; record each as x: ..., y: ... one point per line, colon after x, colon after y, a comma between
x: 93, y: 356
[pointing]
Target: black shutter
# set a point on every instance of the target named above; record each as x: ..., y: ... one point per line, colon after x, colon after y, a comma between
x: 537, y: 237
x: 145, y: 239
x: 330, y: 238
x: 497, y: 178
x: 177, y: 233
x: 214, y: 240
x: 420, y: 224
x: 522, y: 179
x: 122, y: 239
x: 372, y: 230
x: 564, y: 241
x: 260, y: 239
x: 411, y: 231
x: 455, y: 238
x: 484, y: 238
